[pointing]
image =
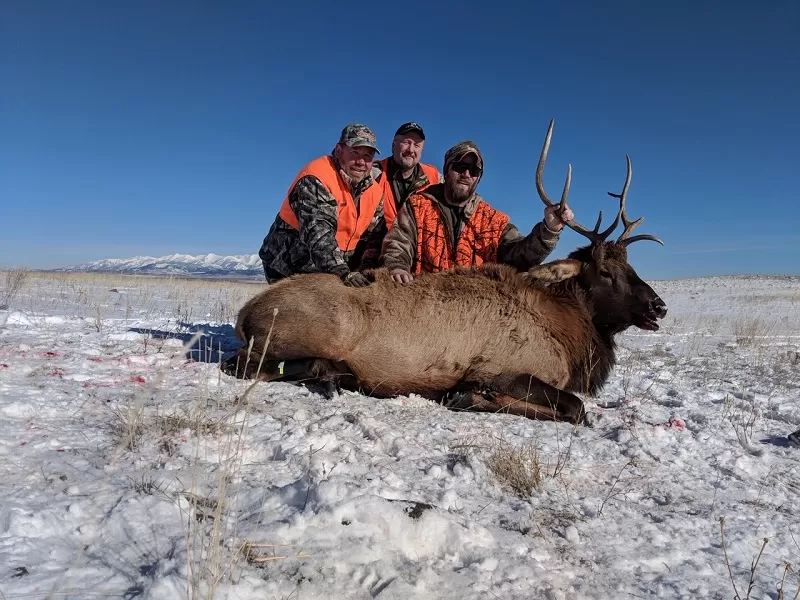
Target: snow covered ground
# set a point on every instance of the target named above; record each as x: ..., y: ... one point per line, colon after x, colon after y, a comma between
x: 128, y: 470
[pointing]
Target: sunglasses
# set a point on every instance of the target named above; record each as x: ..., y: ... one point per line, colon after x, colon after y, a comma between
x: 463, y: 167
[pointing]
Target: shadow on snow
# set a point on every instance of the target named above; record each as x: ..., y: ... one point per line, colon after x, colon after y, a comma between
x: 214, y: 343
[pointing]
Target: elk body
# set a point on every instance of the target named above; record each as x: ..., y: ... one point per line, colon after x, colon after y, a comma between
x: 485, y: 338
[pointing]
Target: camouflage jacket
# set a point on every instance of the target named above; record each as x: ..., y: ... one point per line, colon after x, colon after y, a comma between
x: 523, y: 252
x: 313, y: 249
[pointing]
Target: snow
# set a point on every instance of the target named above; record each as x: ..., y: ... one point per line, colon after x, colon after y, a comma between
x: 132, y: 468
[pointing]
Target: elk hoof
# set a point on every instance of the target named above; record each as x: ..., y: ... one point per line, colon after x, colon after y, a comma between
x: 330, y: 389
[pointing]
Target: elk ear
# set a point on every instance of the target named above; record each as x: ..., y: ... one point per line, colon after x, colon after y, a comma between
x: 555, y: 271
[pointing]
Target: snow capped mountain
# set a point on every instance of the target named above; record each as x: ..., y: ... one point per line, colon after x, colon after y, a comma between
x: 201, y: 265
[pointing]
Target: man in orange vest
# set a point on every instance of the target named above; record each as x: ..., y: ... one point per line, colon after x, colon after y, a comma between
x: 332, y: 214
x: 449, y: 224
x: 402, y: 173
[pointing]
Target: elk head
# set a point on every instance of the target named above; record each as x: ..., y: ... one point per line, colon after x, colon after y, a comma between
x: 619, y: 296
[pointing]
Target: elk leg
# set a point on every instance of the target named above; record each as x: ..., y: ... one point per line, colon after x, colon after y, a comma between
x: 293, y: 369
x: 243, y: 367
x: 522, y: 395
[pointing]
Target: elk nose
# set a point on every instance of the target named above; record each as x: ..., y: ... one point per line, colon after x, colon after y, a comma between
x: 659, y: 308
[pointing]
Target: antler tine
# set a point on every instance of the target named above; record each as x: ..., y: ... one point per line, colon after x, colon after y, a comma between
x: 636, y: 238
x: 629, y: 225
x: 622, y: 196
x: 599, y: 220
x: 565, y: 191
x: 592, y: 234
x: 623, y: 239
x: 540, y: 173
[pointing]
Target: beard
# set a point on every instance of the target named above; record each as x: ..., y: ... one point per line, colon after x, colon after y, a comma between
x: 459, y: 192
x: 407, y: 162
x: 356, y: 176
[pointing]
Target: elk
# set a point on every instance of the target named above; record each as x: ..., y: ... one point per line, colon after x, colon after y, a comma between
x: 487, y: 338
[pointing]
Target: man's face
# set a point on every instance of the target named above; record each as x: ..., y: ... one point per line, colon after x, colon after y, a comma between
x: 407, y: 149
x: 356, y: 161
x: 462, y: 176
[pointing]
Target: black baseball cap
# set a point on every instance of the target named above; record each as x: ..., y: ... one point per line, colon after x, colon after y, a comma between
x: 409, y: 127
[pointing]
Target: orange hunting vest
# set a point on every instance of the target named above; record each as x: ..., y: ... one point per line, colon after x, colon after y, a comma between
x: 351, y: 223
x: 477, y: 243
x: 390, y: 208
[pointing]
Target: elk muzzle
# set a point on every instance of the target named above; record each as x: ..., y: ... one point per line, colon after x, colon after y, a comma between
x: 648, y: 320
x: 658, y: 307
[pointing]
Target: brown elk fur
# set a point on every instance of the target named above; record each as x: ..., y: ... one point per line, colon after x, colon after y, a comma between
x: 421, y: 338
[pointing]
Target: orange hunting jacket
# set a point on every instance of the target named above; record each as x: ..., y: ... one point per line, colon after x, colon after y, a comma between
x: 477, y: 243
x: 390, y: 204
x: 352, y: 222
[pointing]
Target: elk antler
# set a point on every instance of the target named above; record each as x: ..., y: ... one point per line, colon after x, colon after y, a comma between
x: 623, y: 239
x: 540, y: 176
x: 593, y: 234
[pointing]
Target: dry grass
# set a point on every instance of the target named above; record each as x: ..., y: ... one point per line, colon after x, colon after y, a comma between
x: 210, y: 520
x: 127, y: 426
x: 752, y: 331
x: 742, y: 414
x: 193, y: 421
x: 98, y: 295
x: 771, y: 298
x: 145, y: 485
x: 516, y: 467
x: 15, y: 280
x: 259, y: 554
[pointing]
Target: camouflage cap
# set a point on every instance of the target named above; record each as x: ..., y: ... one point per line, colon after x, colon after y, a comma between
x: 459, y: 151
x: 357, y: 134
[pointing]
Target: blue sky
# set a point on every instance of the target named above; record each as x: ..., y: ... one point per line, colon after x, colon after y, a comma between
x: 151, y: 128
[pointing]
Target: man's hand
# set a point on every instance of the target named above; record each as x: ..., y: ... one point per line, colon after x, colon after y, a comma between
x: 356, y: 279
x: 551, y: 219
x: 402, y: 276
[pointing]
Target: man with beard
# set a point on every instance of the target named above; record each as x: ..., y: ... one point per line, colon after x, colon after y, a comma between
x: 448, y: 224
x: 402, y: 173
x: 331, y: 215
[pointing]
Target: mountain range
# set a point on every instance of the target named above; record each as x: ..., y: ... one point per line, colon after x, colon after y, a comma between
x: 247, y: 266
